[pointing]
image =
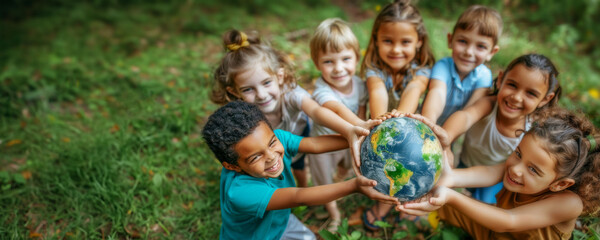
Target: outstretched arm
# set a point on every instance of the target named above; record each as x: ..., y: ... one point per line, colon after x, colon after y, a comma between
x: 460, y: 121
x: 318, y: 195
x: 409, y: 101
x: 538, y: 214
x: 378, y: 98
x: 434, y: 103
x: 341, y: 110
x: 322, y: 144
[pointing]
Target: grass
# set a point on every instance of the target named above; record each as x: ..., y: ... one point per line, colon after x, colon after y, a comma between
x: 101, y: 105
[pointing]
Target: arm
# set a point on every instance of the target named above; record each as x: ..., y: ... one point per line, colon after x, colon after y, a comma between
x: 292, y: 197
x: 378, y: 98
x: 434, y: 103
x: 477, y: 94
x: 345, y: 113
x: 538, y: 214
x: 321, y: 144
x: 409, y: 101
x: 460, y: 121
x: 362, y: 112
x: 327, y: 118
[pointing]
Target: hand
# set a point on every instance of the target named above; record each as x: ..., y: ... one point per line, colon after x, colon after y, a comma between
x: 432, y: 201
x: 355, y: 141
x: 365, y: 186
x: 441, y: 134
x: 393, y: 114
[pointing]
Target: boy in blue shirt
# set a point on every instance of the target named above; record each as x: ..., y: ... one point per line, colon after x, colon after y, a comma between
x: 257, y: 186
x: 462, y: 79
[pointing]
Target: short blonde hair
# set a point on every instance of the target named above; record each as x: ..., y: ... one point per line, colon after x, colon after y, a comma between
x: 486, y: 20
x: 333, y: 34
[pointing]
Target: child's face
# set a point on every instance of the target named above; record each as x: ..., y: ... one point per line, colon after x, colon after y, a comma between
x: 257, y: 86
x: 470, y: 49
x: 260, y: 154
x: 529, y: 169
x: 522, y: 90
x: 397, y: 44
x: 337, y: 69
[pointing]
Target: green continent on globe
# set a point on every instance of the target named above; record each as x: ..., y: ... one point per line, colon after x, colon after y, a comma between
x: 397, y: 174
x: 432, y: 151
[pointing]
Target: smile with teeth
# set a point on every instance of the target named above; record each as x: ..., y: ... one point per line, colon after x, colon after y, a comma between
x: 275, y: 167
x: 265, y: 103
x: 513, y: 180
x: 512, y: 107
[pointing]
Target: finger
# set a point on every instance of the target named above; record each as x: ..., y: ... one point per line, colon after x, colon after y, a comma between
x: 436, y: 201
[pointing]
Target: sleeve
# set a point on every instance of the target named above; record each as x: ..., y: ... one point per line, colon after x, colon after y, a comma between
x: 290, y: 142
x: 323, y: 93
x: 424, y: 71
x: 484, y: 77
x: 440, y: 71
x: 250, y: 196
x: 295, y: 96
x: 376, y: 73
x: 363, y: 94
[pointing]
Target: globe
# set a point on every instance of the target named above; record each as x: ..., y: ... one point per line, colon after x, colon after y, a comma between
x: 404, y: 156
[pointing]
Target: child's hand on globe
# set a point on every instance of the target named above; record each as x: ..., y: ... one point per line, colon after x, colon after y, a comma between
x: 357, y: 142
x: 441, y: 134
x: 430, y: 202
x: 365, y: 186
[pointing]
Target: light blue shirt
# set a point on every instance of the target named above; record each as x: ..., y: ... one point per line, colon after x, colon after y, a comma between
x: 458, y: 92
x: 244, y: 198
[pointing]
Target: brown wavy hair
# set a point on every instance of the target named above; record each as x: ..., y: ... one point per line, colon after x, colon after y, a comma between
x: 398, y: 11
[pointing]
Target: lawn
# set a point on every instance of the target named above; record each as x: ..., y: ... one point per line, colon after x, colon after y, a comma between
x: 102, y: 103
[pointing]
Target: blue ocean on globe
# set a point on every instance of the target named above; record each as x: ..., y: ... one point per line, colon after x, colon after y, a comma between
x: 404, y: 156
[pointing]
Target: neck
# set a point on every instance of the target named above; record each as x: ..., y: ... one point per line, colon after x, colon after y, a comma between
x: 509, y: 126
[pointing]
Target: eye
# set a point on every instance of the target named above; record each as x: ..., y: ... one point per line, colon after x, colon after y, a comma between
x: 462, y: 41
x: 273, y: 142
x: 387, y: 41
x: 533, y: 170
x: 512, y: 85
x: 347, y: 58
x: 482, y: 47
x: 406, y: 42
x: 533, y: 94
x: 327, y: 61
x: 268, y: 82
x: 518, y: 154
x: 245, y: 90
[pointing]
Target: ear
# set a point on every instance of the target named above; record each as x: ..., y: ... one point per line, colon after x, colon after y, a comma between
x: 419, y: 44
x: 499, y: 81
x: 449, y: 40
x: 232, y: 91
x: 231, y: 167
x: 280, y: 75
x: 561, y: 184
x: 492, y: 53
x: 546, y: 100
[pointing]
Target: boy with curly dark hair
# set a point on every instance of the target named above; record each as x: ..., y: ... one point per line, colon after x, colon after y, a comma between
x: 257, y: 186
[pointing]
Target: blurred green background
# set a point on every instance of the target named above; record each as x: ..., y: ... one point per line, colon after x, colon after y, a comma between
x: 102, y: 101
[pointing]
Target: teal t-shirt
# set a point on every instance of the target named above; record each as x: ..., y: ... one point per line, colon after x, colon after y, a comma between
x: 244, y: 198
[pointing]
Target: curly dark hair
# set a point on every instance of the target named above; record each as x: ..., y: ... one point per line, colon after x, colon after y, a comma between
x: 567, y: 137
x: 230, y: 124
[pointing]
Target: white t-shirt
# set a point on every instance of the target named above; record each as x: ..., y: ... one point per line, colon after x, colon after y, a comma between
x: 484, y: 145
x: 324, y: 93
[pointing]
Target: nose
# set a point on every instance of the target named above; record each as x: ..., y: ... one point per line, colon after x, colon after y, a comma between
x: 470, y: 49
x: 261, y: 93
x: 516, y: 97
x: 338, y: 67
x: 270, y: 155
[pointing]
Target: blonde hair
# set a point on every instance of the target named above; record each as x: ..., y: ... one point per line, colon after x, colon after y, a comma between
x: 398, y: 11
x: 245, y: 52
x: 486, y: 20
x: 333, y: 34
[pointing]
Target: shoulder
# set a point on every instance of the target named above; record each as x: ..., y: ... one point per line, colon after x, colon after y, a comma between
x: 570, y: 202
x: 443, y: 67
x: 375, y: 72
x: 482, y: 70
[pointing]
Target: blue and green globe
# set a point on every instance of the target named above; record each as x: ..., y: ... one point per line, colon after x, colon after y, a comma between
x: 404, y: 156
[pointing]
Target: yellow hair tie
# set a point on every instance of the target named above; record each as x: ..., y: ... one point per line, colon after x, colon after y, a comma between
x: 235, y: 46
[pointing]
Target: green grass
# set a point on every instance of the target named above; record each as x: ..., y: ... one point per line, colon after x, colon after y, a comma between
x: 102, y: 102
